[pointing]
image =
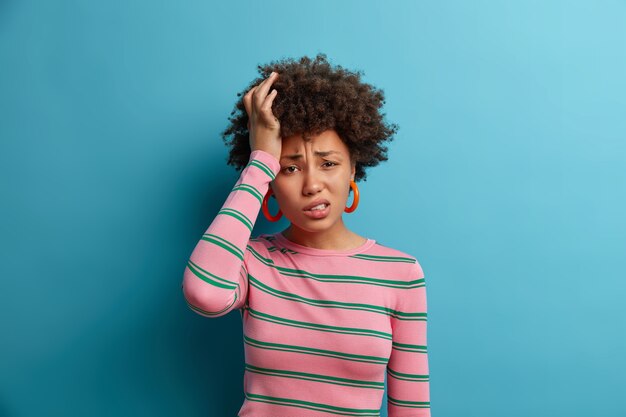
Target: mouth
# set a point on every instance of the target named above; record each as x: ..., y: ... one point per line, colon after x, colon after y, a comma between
x: 319, y: 211
x: 317, y: 205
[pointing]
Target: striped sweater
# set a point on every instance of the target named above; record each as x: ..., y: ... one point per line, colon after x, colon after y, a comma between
x: 321, y: 328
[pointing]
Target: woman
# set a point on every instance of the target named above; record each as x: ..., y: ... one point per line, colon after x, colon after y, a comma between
x: 327, y: 313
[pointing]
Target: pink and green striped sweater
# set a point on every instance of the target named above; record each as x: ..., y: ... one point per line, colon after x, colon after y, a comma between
x: 321, y: 328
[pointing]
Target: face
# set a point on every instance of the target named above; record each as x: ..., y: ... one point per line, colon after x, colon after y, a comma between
x: 314, y: 169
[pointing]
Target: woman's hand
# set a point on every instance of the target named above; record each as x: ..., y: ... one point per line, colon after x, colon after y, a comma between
x: 263, y: 126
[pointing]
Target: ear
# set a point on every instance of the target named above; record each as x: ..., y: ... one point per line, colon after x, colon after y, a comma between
x: 353, y: 171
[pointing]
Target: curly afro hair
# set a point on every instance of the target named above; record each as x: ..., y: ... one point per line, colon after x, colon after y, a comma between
x: 314, y: 97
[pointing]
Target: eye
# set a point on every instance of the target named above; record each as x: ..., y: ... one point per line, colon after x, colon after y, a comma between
x: 287, y: 169
x: 329, y: 162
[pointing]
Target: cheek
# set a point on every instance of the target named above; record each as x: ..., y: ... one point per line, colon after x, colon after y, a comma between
x: 283, y: 193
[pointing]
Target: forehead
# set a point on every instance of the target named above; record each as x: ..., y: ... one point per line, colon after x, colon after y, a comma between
x: 326, y: 141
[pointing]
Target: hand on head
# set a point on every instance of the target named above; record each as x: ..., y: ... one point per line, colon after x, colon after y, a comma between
x: 263, y: 126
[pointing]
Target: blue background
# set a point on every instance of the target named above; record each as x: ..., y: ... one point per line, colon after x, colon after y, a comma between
x: 506, y: 180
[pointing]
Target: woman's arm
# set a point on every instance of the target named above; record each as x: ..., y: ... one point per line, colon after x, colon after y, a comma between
x: 215, y: 279
x: 407, y: 370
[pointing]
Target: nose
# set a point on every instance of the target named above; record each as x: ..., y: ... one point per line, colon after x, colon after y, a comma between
x: 312, y: 184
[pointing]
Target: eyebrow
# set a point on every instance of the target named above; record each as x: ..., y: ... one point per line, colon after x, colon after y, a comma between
x: 317, y: 153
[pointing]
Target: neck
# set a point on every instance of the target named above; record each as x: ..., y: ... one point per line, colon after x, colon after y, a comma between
x: 336, y: 238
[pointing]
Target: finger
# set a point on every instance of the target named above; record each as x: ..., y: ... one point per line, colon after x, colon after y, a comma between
x: 269, y: 100
x: 260, y: 94
x: 247, y: 101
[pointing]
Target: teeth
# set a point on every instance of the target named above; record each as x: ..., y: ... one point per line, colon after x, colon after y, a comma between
x: 318, y: 207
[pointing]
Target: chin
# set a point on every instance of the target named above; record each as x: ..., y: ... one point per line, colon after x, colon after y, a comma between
x: 318, y: 224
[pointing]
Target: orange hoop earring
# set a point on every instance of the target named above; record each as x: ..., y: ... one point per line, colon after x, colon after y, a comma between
x: 355, y: 199
x: 266, y: 210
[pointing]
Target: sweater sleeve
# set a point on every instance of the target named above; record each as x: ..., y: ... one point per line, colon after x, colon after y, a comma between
x: 215, y: 279
x: 408, y: 393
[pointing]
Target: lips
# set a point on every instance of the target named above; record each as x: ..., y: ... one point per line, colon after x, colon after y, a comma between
x: 316, y: 203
